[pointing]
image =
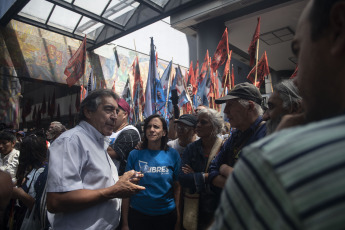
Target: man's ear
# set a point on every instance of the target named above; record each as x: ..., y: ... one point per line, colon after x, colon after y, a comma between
x: 337, y: 26
x: 87, y: 113
x: 251, y: 105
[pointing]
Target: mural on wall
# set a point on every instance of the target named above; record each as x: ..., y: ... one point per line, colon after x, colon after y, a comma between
x: 120, y: 74
x: 45, y: 59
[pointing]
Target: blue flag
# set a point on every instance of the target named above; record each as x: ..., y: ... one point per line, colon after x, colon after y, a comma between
x: 201, y: 97
x: 150, y: 104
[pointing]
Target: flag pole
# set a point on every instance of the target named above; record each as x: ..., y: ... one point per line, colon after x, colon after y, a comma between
x: 167, y: 98
x: 269, y: 75
x: 139, y: 105
x: 130, y: 92
x: 256, y: 64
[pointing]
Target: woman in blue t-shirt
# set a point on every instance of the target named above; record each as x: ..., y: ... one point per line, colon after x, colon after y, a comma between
x: 158, y: 206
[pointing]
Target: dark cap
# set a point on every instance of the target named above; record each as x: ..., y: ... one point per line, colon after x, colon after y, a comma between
x: 123, y: 104
x: 245, y: 91
x: 188, y: 119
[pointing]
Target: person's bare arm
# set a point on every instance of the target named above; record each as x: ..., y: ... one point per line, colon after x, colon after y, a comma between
x: 84, y: 198
x: 19, y: 193
x: 112, y: 153
x: 124, y: 213
x: 177, y: 196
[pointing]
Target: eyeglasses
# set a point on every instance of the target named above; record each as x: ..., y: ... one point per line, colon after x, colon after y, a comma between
x: 182, y: 128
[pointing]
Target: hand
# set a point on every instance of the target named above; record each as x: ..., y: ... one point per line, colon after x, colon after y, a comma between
x: 124, y: 227
x: 225, y: 170
x: 187, y: 169
x: 124, y: 187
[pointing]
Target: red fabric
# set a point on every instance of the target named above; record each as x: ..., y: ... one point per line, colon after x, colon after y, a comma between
x: 204, y: 66
x: 156, y: 59
x: 252, y: 46
x: 225, y: 78
x: 222, y: 51
x: 294, y: 73
x: 263, y: 70
x: 138, y: 81
x: 196, y: 73
x: 192, y: 78
x: 232, y: 77
x: 76, y: 65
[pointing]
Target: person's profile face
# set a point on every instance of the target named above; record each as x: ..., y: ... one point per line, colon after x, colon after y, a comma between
x: 6, y: 146
x: 104, y: 118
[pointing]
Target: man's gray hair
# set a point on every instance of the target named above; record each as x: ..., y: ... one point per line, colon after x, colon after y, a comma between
x: 257, y: 107
x: 215, y: 118
x: 288, y: 93
x: 60, y: 127
x: 92, y: 101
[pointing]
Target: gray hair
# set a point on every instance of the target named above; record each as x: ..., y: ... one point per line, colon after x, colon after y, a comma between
x: 92, y: 101
x: 288, y: 93
x: 215, y: 118
x: 60, y: 127
x: 257, y: 107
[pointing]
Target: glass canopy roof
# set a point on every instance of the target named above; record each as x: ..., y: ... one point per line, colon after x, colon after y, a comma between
x: 102, y: 21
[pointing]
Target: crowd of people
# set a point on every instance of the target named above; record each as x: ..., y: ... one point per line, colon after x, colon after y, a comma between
x: 279, y: 167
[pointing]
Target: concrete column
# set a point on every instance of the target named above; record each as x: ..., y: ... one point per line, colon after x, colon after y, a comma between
x: 209, y: 34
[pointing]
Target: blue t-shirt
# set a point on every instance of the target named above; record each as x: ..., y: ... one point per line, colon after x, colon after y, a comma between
x: 162, y: 170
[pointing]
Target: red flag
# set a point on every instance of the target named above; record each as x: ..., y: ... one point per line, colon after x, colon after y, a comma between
x: 138, y: 97
x: 204, y: 67
x: 156, y: 59
x: 232, y: 77
x: 263, y: 70
x: 76, y: 65
x: 294, y: 73
x: 252, y: 46
x: 222, y: 51
x: 196, y: 73
x: 225, y: 78
x: 191, y: 79
x: 43, y: 107
x: 82, y: 92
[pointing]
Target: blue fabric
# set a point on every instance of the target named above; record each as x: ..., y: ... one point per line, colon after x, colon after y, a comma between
x: 236, y: 140
x: 164, y: 166
x: 194, y: 156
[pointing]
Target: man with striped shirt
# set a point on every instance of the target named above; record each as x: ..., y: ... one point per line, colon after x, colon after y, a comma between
x: 294, y: 179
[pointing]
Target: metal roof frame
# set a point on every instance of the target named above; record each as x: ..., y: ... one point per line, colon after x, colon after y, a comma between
x: 145, y: 14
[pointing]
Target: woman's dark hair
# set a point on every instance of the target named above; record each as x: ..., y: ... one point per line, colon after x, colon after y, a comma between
x: 7, y: 136
x: 92, y: 101
x: 164, y: 139
x: 33, y: 153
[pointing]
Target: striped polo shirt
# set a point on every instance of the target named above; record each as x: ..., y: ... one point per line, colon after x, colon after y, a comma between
x: 294, y: 179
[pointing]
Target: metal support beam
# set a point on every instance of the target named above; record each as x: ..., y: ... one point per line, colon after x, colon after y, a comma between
x: 151, y: 5
x: 51, y: 28
x: 86, y: 13
x: 13, y: 11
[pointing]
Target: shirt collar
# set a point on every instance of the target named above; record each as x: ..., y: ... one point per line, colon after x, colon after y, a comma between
x: 99, y: 137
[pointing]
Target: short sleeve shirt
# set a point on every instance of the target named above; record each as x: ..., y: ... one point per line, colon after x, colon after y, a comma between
x: 78, y: 160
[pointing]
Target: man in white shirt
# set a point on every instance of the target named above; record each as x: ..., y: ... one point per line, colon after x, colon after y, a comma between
x: 83, y: 186
x: 9, y: 155
x: 185, y: 128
